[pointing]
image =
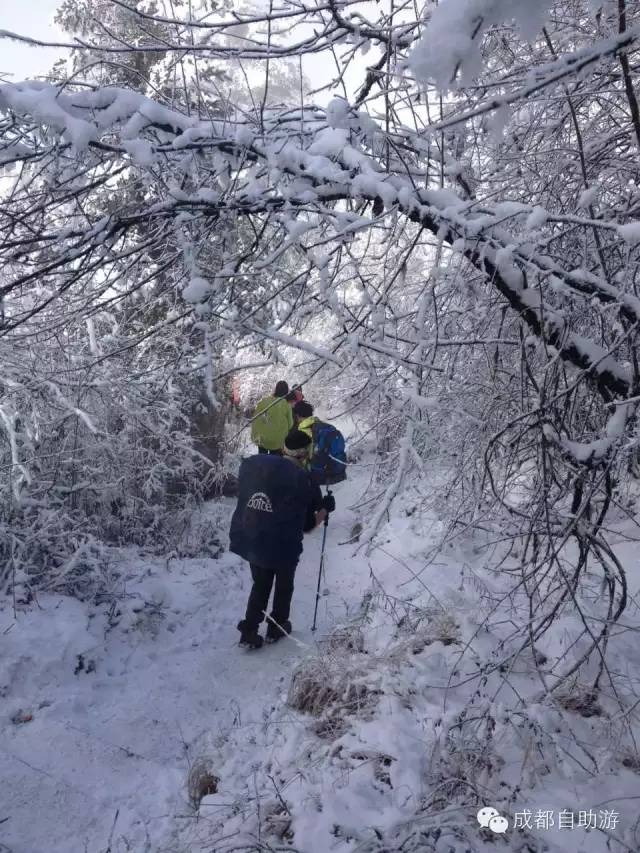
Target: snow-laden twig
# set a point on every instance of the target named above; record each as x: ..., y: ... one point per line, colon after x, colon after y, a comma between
x: 392, y: 490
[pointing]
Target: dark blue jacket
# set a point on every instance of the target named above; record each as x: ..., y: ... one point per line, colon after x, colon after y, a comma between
x: 277, y: 502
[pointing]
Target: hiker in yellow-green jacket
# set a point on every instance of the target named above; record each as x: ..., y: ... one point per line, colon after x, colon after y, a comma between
x: 304, y: 421
x: 326, y: 458
x: 272, y: 420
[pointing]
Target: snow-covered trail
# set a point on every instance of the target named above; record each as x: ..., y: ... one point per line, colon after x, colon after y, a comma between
x: 103, y: 763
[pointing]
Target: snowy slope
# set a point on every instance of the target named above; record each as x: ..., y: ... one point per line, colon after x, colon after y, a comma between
x: 416, y: 739
x: 380, y: 738
x: 104, y: 761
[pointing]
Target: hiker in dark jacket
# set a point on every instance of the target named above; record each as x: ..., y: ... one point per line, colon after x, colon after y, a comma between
x: 295, y: 396
x: 277, y: 504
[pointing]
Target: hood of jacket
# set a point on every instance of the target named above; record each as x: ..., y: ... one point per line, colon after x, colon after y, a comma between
x: 306, y: 424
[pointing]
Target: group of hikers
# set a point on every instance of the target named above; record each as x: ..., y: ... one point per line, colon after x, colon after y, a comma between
x: 279, y: 499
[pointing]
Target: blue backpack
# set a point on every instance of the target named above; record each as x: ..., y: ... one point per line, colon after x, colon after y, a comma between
x: 329, y: 461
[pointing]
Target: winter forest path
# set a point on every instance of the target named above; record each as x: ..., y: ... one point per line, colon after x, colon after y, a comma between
x: 121, y: 705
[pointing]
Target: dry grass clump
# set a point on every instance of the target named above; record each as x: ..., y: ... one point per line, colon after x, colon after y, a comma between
x: 337, y: 677
x: 342, y: 680
x: 314, y: 687
x: 321, y: 684
x: 631, y: 761
x: 201, y: 781
x: 348, y: 639
x: 339, y: 683
x: 583, y: 702
x: 464, y: 759
x: 330, y: 727
x: 429, y: 626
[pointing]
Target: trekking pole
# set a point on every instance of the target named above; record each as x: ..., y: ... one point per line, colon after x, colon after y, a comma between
x: 324, y: 539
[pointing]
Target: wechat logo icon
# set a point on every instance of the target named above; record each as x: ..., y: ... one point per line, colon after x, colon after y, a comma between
x: 491, y: 818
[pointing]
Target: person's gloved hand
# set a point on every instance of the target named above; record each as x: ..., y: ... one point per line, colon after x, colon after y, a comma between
x: 329, y: 503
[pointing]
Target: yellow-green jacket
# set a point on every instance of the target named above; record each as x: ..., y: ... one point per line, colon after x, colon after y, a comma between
x: 306, y: 425
x: 273, y: 419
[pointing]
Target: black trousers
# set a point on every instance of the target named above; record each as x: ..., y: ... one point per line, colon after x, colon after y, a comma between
x: 270, y: 452
x: 261, y: 590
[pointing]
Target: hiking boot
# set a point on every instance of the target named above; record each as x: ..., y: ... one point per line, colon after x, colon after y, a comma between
x: 274, y: 633
x: 249, y: 637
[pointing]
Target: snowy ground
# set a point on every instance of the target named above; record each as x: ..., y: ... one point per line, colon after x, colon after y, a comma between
x: 106, y: 715
x: 106, y: 756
